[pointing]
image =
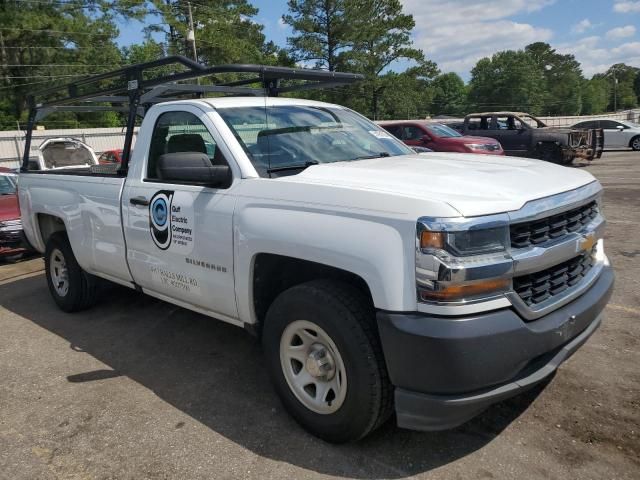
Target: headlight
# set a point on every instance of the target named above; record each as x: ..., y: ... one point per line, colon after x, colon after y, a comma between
x: 479, y: 241
x: 462, y: 262
x: 486, y: 147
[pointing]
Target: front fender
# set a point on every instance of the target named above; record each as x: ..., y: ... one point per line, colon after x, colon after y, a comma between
x: 374, y: 248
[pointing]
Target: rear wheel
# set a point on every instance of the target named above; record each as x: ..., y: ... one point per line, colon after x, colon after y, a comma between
x: 635, y: 143
x: 325, y: 359
x: 71, y: 287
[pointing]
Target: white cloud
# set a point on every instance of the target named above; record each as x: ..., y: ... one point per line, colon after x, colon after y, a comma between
x: 621, y: 32
x: 457, y: 34
x: 595, y: 58
x: 281, y: 24
x: 626, y: 7
x: 582, y: 26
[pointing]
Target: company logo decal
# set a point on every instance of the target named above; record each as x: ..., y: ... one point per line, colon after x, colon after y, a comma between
x: 160, y: 218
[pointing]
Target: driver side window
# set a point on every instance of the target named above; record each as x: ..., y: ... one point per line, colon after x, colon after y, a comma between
x: 181, y: 132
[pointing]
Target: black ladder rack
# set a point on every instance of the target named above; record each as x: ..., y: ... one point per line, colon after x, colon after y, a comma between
x: 133, y: 89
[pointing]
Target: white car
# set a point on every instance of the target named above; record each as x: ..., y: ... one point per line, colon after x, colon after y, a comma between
x: 617, y: 133
x: 379, y: 280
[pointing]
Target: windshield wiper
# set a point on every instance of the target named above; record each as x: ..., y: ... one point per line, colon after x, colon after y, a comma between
x: 298, y: 166
x: 378, y: 155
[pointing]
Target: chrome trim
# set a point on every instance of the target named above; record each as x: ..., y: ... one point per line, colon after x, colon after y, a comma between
x: 430, y: 267
x: 464, y: 308
x: 457, y: 224
x: 549, y: 206
x: 557, y: 301
x: 442, y: 267
x: 536, y: 258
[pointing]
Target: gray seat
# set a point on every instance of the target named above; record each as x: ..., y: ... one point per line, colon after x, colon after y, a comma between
x: 186, y: 142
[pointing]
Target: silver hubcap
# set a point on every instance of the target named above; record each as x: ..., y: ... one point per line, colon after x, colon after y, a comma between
x: 313, y: 367
x: 59, y: 274
x: 636, y: 144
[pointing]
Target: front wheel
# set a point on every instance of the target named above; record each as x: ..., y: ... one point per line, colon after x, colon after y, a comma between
x: 71, y: 287
x: 325, y: 359
x: 635, y: 143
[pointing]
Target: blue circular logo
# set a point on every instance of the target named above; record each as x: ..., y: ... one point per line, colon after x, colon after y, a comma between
x: 159, y: 211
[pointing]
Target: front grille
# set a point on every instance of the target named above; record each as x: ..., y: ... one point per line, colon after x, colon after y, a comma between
x: 10, y: 231
x: 537, y: 287
x: 526, y: 234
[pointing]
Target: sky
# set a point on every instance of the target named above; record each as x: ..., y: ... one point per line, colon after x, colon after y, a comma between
x: 457, y: 33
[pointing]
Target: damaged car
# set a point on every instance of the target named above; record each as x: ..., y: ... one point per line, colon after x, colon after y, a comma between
x: 524, y: 135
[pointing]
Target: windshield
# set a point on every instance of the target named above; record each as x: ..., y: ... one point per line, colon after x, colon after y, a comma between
x: 7, y: 185
x: 289, y: 138
x: 439, y: 130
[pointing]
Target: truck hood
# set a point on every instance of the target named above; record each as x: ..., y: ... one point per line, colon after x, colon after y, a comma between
x: 471, y: 184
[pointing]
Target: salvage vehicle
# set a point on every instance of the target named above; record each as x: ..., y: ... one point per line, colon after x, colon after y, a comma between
x: 378, y: 280
x: 11, y: 240
x: 439, y: 137
x: 524, y: 135
x: 55, y: 153
x: 617, y: 133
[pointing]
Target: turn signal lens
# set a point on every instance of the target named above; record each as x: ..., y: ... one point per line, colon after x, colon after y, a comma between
x: 431, y: 240
x: 463, y: 291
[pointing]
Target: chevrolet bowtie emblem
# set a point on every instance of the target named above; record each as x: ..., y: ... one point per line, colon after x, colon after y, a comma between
x: 587, y: 242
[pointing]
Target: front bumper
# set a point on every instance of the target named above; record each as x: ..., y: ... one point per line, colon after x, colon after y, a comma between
x: 446, y: 370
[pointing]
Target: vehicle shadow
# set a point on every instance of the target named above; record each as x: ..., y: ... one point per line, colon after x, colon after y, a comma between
x: 215, y: 373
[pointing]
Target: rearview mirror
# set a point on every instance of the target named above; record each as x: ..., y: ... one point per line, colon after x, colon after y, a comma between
x: 191, y: 167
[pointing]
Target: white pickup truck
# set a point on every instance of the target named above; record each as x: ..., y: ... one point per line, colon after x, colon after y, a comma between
x: 379, y: 280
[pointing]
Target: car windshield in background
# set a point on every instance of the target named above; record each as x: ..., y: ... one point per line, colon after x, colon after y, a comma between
x: 440, y: 130
x: 7, y: 185
x: 292, y: 137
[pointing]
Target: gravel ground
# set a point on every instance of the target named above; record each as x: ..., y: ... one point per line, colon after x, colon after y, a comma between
x: 136, y: 388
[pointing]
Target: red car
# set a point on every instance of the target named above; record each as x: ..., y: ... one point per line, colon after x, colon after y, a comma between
x: 110, y: 156
x: 440, y: 138
x: 11, y: 240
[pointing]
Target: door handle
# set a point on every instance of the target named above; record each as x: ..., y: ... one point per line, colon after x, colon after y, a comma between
x: 142, y: 201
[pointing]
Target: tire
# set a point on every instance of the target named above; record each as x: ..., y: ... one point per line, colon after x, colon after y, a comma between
x: 72, y: 288
x: 553, y: 153
x: 635, y: 143
x: 359, y: 396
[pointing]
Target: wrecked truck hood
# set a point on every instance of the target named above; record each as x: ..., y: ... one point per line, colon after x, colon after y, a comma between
x: 471, y: 184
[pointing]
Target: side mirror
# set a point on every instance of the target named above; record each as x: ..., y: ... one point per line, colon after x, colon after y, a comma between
x: 620, y: 128
x: 191, y: 167
x: 426, y: 138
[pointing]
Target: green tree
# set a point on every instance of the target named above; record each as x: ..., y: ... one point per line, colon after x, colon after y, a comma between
x: 404, y: 95
x: 595, y: 95
x: 321, y: 32
x: 46, y: 43
x: 381, y: 35
x: 225, y: 31
x: 449, y: 95
x: 624, y: 92
x: 563, y: 79
x: 508, y: 80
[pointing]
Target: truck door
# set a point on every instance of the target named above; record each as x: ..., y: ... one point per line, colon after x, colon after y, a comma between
x: 511, y: 133
x: 180, y: 236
